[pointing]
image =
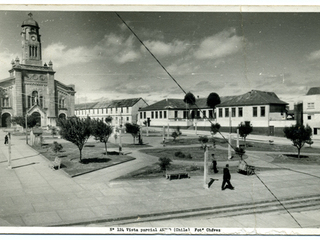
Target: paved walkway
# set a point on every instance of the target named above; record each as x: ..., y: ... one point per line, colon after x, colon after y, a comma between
x: 31, y: 194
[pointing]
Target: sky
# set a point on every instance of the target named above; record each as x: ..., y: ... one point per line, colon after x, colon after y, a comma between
x: 229, y: 53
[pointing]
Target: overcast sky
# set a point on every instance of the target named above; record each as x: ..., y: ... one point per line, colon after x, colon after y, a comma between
x: 227, y: 53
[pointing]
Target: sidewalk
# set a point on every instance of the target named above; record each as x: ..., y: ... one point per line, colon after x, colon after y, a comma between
x: 31, y: 194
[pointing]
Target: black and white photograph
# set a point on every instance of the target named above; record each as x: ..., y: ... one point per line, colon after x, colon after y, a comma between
x: 159, y: 121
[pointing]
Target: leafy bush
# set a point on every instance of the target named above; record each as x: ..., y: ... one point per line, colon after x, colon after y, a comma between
x: 56, y: 147
x: 164, y: 163
x: 193, y: 168
x: 179, y: 154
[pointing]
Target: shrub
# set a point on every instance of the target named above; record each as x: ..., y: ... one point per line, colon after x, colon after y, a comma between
x: 164, y: 162
x: 56, y: 147
x: 180, y: 154
x: 189, y: 156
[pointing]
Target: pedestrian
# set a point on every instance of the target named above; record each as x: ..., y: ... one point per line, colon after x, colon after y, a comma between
x: 6, y: 139
x: 214, y: 164
x: 226, y: 179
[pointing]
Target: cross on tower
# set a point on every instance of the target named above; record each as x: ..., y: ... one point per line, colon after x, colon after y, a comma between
x: 30, y: 15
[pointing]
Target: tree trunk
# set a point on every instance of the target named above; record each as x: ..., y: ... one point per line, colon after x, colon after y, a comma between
x: 105, y: 148
x: 80, y: 155
x: 299, y: 152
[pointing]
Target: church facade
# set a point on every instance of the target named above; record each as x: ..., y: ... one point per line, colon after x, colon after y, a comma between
x: 31, y: 88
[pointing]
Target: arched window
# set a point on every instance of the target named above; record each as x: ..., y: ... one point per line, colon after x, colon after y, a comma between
x: 35, y: 99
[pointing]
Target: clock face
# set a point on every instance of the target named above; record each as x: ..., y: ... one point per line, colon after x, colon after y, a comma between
x: 33, y: 38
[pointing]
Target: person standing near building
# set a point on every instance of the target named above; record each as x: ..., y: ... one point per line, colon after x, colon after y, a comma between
x: 226, y: 179
x: 6, y: 138
x: 214, y: 164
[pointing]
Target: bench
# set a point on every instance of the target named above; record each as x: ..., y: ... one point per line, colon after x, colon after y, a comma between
x: 171, y: 176
x: 245, y: 169
x: 55, y: 164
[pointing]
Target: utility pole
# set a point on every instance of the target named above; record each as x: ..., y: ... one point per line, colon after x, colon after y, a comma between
x: 238, y: 138
x: 26, y: 125
x: 9, y: 151
x: 205, y: 167
x: 229, y: 146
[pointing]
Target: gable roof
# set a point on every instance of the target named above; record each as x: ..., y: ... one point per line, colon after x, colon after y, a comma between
x: 253, y: 97
x: 82, y: 106
x: 170, y: 103
x: 314, y: 91
x: 129, y: 102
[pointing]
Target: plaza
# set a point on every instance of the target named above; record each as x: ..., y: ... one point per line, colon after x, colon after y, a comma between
x: 34, y: 195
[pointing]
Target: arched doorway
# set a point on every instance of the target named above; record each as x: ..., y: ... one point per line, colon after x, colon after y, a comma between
x: 37, y: 118
x: 62, y: 116
x: 6, y: 120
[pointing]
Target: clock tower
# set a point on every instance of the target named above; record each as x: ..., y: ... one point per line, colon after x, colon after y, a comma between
x: 31, y: 42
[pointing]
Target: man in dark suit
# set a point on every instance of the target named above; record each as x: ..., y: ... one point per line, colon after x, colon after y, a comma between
x: 226, y: 179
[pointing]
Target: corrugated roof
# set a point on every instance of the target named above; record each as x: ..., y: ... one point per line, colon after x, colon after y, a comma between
x: 314, y: 91
x: 253, y: 97
x: 169, y: 103
x: 82, y: 106
x: 108, y: 104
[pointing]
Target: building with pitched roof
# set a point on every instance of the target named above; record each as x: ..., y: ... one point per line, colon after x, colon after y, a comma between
x: 311, y: 109
x: 31, y: 88
x: 265, y: 111
x: 121, y: 110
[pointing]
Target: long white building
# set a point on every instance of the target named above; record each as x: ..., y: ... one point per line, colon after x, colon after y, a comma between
x: 121, y: 110
x: 265, y: 111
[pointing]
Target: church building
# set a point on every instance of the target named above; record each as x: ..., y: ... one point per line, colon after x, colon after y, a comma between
x: 31, y: 88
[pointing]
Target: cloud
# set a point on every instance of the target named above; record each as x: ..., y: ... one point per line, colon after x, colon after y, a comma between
x: 5, y: 61
x: 160, y: 48
x: 120, y: 49
x: 219, y: 45
x: 314, y: 56
x: 60, y: 55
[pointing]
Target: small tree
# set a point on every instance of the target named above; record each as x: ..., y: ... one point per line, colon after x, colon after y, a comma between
x: 214, y: 129
x: 164, y: 163
x: 56, y: 147
x: 31, y: 121
x: 101, y: 131
x: 176, y: 133
x: 190, y: 100
x: 133, y: 129
x: 203, y: 140
x: 299, y: 135
x: 54, y: 131
x: 213, y: 100
x: 75, y: 130
x: 108, y: 120
x: 244, y: 130
x: 240, y: 151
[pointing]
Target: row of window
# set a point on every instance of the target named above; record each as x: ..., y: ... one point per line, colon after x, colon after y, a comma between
x: 102, y: 111
x: 310, y: 105
x: 116, y: 118
x: 222, y: 112
x: 239, y: 110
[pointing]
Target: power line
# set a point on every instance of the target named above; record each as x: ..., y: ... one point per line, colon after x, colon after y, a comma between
x: 197, y: 107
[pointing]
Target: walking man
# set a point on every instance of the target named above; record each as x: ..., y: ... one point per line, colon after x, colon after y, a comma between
x: 226, y: 179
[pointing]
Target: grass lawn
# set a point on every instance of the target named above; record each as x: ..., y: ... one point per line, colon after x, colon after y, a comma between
x: 92, y: 154
x: 196, y: 153
x: 293, y: 159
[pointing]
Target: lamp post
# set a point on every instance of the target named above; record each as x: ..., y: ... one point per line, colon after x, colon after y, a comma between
x: 229, y: 146
x: 26, y: 125
x: 9, y: 151
x: 205, y: 167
